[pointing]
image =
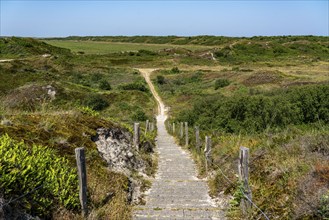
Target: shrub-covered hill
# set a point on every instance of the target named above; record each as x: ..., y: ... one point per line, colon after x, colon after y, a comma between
x: 282, y: 117
x: 23, y: 47
x: 49, y: 105
x: 204, y: 50
x: 198, y: 40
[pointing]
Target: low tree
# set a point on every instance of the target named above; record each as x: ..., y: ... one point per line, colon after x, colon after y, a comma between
x: 161, y: 80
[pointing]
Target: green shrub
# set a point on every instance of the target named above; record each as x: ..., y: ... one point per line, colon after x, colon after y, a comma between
x: 88, y: 111
x: 146, y: 52
x: 256, y: 113
x: 105, y: 85
x: 220, y: 83
x: 96, y: 102
x: 135, y: 86
x: 324, y: 206
x: 139, y: 115
x: 49, y: 178
x: 161, y: 80
x: 96, y: 77
x: 175, y: 70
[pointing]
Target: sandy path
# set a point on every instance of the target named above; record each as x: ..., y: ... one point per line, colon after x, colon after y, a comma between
x: 162, y: 110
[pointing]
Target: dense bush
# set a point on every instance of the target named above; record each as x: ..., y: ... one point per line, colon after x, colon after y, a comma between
x: 37, y: 172
x: 256, y: 113
x: 146, y: 52
x: 161, y: 79
x: 135, y: 86
x: 259, y: 51
x: 220, y: 83
x: 105, y: 85
x: 96, y: 102
x: 139, y: 115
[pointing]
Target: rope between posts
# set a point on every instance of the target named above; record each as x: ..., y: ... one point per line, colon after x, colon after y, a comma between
x: 255, y: 206
x: 22, y: 196
x: 245, y: 196
x: 221, y: 171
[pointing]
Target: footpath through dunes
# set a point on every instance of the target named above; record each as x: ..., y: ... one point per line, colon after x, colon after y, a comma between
x: 176, y: 192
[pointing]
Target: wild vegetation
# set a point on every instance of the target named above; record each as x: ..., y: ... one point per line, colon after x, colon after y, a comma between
x: 277, y: 107
x: 54, y: 104
x: 269, y: 94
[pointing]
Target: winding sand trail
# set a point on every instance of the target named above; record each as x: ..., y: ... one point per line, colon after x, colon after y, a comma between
x: 176, y: 192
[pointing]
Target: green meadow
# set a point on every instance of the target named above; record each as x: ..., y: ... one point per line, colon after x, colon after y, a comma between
x: 105, y: 47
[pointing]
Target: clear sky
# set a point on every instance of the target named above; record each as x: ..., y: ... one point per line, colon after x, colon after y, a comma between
x: 46, y: 18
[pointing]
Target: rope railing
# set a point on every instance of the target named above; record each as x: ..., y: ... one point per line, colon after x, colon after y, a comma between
x: 243, y: 169
x: 244, y: 195
x: 22, y: 196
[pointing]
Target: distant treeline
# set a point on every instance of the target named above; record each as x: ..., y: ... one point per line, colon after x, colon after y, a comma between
x: 308, y: 104
x: 198, y: 40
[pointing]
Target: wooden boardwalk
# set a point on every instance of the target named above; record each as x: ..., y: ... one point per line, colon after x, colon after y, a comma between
x: 176, y: 192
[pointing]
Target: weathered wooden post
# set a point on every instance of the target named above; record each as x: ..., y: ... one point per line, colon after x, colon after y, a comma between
x: 181, y: 130
x: 152, y: 126
x: 197, y: 138
x: 207, y: 152
x: 2, y: 214
x: 82, y: 173
x: 146, y: 126
x: 244, y: 178
x: 169, y: 127
x: 186, y: 134
x: 173, y: 128
x: 136, y: 135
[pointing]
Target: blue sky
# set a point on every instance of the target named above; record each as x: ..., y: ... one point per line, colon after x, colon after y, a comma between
x: 184, y: 18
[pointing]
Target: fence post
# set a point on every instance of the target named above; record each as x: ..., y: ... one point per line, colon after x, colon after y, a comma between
x: 207, y: 152
x: 197, y: 138
x: 146, y: 126
x: 244, y: 177
x: 82, y: 172
x: 181, y: 130
x: 2, y: 214
x: 136, y: 135
x: 186, y: 134
x: 173, y: 128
